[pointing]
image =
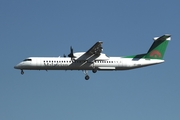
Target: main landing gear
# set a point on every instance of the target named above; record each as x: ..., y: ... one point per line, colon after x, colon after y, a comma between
x: 94, y: 70
x: 86, y: 75
x: 22, y: 72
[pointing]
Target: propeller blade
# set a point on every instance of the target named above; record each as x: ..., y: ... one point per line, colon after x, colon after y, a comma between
x: 71, y: 53
x: 71, y: 50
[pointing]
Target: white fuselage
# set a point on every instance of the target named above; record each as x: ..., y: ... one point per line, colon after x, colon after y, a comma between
x: 95, y: 60
x: 100, y: 63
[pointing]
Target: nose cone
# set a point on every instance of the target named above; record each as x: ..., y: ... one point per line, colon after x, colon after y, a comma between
x: 16, y: 66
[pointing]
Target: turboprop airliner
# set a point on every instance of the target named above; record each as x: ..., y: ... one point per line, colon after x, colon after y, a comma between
x: 95, y: 60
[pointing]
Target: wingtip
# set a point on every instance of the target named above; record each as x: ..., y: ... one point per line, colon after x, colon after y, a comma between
x: 167, y: 35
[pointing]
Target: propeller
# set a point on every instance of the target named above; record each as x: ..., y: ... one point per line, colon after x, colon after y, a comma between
x: 71, y: 53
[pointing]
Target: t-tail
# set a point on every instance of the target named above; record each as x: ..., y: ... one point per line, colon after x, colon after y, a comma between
x: 158, y: 48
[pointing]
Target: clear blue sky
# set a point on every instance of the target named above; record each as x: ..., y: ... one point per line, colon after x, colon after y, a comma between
x: 49, y: 28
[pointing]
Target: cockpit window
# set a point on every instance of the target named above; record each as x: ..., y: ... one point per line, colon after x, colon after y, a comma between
x: 27, y: 60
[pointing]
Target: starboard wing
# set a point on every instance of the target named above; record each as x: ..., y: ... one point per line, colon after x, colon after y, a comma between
x: 96, y: 49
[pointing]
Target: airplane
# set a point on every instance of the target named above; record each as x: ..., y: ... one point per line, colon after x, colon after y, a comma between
x: 95, y: 60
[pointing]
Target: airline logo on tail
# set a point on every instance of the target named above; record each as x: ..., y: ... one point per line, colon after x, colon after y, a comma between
x: 155, y: 54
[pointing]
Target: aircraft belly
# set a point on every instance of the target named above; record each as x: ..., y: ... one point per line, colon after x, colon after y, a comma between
x: 106, y: 68
x: 127, y: 65
x: 73, y: 66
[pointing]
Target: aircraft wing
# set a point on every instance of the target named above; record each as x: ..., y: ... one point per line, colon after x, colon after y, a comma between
x: 96, y: 49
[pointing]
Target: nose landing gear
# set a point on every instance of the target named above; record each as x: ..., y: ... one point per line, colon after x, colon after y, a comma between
x: 22, y: 72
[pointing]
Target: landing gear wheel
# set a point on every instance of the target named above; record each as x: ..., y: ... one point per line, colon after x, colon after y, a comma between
x: 87, y: 77
x: 22, y: 72
x: 94, y: 70
x: 86, y: 74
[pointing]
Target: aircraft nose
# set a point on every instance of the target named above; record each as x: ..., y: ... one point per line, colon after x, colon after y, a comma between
x: 18, y: 66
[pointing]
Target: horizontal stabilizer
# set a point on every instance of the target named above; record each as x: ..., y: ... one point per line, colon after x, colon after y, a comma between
x: 164, y: 37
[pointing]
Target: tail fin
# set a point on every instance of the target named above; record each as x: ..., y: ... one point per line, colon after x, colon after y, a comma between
x: 158, y: 48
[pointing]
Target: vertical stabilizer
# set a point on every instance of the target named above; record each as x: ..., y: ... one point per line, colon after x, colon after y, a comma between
x: 158, y: 47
